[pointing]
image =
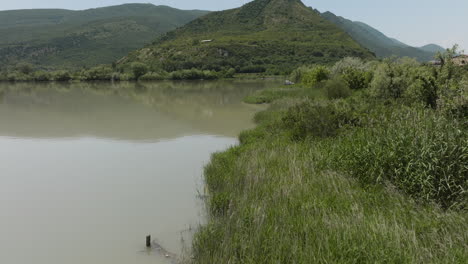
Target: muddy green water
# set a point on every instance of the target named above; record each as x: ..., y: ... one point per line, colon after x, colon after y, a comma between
x: 88, y: 170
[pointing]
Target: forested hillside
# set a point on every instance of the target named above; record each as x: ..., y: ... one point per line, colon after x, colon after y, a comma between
x: 54, y: 38
x: 272, y: 36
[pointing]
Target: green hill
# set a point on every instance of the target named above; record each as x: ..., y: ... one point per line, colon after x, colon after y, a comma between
x: 263, y: 35
x: 379, y: 43
x: 433, y: 48
x: 54, y: 38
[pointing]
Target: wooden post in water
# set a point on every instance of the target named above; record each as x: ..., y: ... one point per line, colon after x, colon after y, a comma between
x: 148, y: 241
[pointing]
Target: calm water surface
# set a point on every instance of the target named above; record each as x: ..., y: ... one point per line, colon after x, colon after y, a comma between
x: 88, y: 170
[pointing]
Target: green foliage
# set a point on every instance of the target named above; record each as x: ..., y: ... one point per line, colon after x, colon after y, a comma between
x: 454, y: 102
x: 155, y: 76
x: 98, y: 73
x: 219, y: 203
x: 357, y: 79
x: 42, y: 76
x: 139, y: 69
x: 193, y: 74
x: 421, y: 152
x: 297, y: 75
x: 391, y: 79
x: 347, y: 63
x: 406, y: 79
x: 379, y: 176
x: 24, y: 68
x: 270, y: 95
x: 276, y: 200
x: 314, y: 119
x: 424, y: 88
x: 315, y: 75
x: 61, y: 76
x: 337, y: 88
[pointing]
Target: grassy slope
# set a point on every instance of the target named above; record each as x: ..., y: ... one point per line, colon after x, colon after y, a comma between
x: 64, y: 38
x: 274, y: 200
x: 380, y: 44
x: 266, y: 33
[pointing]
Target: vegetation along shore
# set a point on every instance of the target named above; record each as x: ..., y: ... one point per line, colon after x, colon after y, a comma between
x: 361, y: 162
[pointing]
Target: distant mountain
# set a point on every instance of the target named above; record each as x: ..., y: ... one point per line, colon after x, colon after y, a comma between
x: 274, y: 35
x: 433, y: 48
x: 55, y: 38
x: 378, y: 42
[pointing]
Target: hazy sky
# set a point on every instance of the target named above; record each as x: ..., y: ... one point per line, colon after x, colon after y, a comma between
x: 415, y: 22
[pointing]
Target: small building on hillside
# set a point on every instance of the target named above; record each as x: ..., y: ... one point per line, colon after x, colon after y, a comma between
x: 460, y: 60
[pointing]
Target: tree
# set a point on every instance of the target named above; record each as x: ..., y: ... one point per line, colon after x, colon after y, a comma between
x: 315, y: 75
x: 24, y: 68
x: 62, y: 76
x: 357, y: 79
x: 139, y: 69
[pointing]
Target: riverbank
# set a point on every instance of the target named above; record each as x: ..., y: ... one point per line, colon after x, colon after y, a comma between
x: 347, y: 180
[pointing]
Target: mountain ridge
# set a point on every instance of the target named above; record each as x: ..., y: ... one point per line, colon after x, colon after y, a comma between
x: 378, y: 42
x: 262, y: 34
x: 59, y: 38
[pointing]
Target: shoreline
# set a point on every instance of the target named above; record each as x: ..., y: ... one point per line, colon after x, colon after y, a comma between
x: 272, y: 198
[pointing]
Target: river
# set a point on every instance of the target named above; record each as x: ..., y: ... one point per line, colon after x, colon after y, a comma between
x: 87, y: 170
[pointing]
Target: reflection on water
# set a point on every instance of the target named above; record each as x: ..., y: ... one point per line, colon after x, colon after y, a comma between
x: 88, y: 170
x: 128, y: 111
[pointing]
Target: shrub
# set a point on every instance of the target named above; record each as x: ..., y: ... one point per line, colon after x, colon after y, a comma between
x: 18, y: 76
x: 349, y: 63
x: 139, y: 69
x: 423, y: 88
x: 252, y: 69
x: 455, y: 101
x: 42, y: 76
x: 24, y: 68
x: 337, y: 88
x: 61, y: 76
x: 312, y: 119
x: 315, y: 75
x: 153, y: 76
x: 357, y: 79
x: 99, y: 73
x: 297, y: 74
x: 392, y: 78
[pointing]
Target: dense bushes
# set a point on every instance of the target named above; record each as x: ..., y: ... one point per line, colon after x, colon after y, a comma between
x: 138, y: 71
x: 353, y: 71
x: 337, y: 88
x: 379, y: 176
x: 421, y: 152
x: 357, y: 79
x: 313, y: 119
x: 407, y: 125
x: 315, y: 75
x: 61, y: 76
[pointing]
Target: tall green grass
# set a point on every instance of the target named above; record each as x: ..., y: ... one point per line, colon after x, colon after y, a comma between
x: 271, y: 203
x: 421, y: 152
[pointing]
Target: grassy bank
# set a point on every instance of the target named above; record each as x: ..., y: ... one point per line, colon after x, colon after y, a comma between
x: 354, y: 178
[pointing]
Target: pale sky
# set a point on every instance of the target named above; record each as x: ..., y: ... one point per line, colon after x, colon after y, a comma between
x: 415, y: 22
